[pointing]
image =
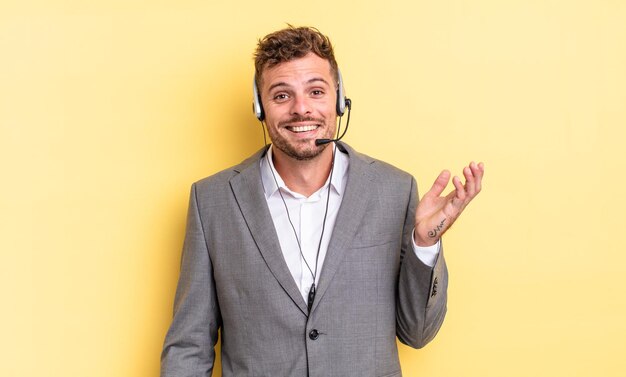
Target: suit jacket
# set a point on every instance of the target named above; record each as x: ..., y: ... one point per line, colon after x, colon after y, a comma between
x: 234, y: 279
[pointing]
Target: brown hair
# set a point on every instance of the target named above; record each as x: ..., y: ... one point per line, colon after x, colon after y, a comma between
x: 292, y: 43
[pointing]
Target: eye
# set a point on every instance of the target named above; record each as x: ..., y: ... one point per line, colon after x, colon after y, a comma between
x: 281, y: 97
x: 317, y: 93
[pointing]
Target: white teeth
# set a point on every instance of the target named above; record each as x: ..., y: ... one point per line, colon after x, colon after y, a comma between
x: 303, y: 128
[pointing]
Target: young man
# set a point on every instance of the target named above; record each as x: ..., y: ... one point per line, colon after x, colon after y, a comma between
x: 310, y: 259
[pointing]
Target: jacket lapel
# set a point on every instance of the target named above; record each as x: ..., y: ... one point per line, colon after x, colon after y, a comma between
x: 349, y: 217
x: 248, y: 193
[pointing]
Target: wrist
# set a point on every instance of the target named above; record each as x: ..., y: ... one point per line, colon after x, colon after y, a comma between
x: 424, y: 242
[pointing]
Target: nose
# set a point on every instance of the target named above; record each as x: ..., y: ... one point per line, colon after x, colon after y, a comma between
x: 300, y: 105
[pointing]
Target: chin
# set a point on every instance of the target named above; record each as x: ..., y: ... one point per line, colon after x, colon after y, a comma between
x: 302, y: 154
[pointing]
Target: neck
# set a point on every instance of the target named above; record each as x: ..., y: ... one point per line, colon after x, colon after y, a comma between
x: 303, y: 176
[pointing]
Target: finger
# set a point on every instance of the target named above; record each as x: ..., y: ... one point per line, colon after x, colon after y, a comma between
x: 478, y: 170
x: 460, y: 194
x: 440, y: 184
x: 470, y: 185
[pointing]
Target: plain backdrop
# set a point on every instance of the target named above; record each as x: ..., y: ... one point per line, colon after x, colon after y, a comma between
x: 110, y: 109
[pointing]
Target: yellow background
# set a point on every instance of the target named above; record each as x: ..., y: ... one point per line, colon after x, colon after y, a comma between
x: 109, y: 110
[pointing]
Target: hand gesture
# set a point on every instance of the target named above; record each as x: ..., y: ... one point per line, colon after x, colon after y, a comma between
x: 435, y: 214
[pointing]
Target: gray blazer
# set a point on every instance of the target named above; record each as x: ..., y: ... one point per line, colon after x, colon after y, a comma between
x: 234, y: 279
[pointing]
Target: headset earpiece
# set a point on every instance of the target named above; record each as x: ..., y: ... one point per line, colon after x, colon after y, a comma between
x: 341, y: 96
x: 257, y: 105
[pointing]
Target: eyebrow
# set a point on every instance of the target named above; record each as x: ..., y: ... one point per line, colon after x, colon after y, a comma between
x: 282, y: 83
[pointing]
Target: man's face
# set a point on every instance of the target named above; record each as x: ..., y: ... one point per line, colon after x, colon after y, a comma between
x: 299, y: 99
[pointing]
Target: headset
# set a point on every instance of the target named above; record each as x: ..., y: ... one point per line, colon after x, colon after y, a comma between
x: 342, y: 101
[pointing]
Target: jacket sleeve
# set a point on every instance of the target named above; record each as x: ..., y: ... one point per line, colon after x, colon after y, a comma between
x: 422, y: 291
x: 188, y: 350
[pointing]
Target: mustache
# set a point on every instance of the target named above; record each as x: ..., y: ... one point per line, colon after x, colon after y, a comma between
x: 300, y: 118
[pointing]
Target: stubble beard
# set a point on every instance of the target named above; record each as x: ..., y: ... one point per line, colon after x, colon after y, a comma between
x: 292, y: 150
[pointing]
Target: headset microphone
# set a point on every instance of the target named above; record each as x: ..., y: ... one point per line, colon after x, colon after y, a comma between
x: 348, y: 104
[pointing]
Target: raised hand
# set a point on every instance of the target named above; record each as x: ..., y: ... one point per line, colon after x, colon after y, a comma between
x: 435, y: 213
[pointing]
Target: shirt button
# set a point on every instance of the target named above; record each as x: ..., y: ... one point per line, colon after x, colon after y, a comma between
x: 314, y: 334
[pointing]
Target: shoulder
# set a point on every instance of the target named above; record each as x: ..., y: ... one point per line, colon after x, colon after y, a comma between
x: 222, y: 178
x: 388, y: 190
x: 378, y: 170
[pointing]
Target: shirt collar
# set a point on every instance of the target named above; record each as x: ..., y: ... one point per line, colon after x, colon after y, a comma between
x: 340, y: 172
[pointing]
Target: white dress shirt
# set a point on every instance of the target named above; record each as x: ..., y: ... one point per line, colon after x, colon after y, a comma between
x: 307, y: 216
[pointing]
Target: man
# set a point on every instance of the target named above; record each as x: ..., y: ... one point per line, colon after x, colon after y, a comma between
x: 309, y: 259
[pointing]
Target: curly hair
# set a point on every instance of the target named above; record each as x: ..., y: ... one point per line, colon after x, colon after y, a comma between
x: 292, y: 43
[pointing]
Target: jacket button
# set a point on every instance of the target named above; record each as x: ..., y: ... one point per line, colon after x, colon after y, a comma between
x: 314, y: 334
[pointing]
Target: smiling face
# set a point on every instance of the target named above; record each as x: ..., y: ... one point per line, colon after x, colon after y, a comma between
x: 299, y: 99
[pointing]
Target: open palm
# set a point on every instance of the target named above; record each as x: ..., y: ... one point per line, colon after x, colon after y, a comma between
x: 435, y: 213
